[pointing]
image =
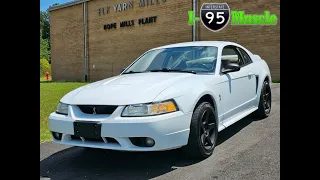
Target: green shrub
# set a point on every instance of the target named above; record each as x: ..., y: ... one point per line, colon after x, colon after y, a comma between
x: 44, y: 67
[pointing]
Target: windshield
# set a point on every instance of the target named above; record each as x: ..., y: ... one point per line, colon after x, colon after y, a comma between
x: 179, y: 59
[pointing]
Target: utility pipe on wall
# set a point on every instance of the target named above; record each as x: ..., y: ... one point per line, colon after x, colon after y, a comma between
x: 84, y: 5
x: 194, y: 26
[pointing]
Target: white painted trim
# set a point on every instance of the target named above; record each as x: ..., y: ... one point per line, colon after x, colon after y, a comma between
x: 67, y: 4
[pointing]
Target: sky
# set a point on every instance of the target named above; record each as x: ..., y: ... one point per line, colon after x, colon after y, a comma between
x: 44, y: 4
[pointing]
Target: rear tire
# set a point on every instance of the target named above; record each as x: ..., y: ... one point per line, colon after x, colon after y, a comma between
x: 203, y: 132
x: 265, y: 101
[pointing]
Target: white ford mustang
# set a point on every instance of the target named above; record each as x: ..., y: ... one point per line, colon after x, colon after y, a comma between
x: 180, y: 95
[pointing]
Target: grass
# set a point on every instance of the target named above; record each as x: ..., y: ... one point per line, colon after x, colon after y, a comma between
x: 50, y: 94
x: 43, y: 79
x: 276, y: 81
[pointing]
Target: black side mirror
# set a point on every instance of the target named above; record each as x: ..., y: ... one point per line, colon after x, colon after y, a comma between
x: 230, y: 67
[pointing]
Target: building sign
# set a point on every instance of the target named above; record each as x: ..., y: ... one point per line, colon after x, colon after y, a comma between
x: 126, y: 6
x: 141, y: 21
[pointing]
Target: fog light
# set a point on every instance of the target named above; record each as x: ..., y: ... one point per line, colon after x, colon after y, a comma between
x: 57, y: 135
x: 149, y: 142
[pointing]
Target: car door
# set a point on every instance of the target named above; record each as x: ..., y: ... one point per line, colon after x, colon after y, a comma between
x: 247, y: 65
x: 236, y: 86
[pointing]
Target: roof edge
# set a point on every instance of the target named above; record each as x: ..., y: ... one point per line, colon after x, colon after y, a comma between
x: 67, y: 4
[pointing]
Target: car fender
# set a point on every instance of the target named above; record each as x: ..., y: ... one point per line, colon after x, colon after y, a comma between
x: 187, y: 97
x: 262, y: 70
x: 216, y: 103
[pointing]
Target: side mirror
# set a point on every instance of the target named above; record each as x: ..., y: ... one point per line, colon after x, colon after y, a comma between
x: 122, y: 70
x: 230, y: 67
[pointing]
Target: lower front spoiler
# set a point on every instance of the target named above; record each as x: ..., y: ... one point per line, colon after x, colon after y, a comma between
x: 169, y: 131
x: 167, y: 142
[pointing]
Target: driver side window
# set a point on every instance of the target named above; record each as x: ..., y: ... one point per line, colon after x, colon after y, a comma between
x: 230, y: 51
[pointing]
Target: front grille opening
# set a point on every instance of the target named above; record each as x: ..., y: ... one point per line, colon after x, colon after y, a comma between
x: 73, y: 137
x: 94, y: 139
x: 111, y: 140
x: 97, y: 109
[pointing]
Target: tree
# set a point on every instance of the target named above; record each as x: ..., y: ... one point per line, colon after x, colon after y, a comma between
x: 45, y: 25
x: 44, y: 35
x: 44, y: 48
x: 55, y: 4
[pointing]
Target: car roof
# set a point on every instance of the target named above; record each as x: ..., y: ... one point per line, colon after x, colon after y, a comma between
x: 198, y: 43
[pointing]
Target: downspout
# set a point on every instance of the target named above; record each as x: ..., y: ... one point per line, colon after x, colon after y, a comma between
x: 194, y: 26
x: 84, y: 5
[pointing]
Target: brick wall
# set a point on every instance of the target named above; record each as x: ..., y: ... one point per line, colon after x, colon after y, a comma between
x: 261, y: 40
x: 67, y: 48
x: 110, y: 50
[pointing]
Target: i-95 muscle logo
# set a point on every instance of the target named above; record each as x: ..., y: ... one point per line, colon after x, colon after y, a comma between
x: 216, y: 16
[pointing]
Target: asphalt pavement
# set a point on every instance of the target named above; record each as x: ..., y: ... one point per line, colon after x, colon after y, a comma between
x: 248, y: 149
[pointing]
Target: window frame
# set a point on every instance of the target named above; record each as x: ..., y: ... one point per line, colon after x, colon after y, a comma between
x: 241, y: 51
x: 236, y: 51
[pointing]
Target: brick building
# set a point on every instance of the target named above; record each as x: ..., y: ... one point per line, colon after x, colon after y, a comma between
x: 95, y: 39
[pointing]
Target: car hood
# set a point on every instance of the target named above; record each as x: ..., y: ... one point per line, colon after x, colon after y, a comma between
x: 125, y: 89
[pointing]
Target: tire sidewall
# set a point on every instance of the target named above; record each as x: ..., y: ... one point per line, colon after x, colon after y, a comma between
x: 265, y: 85
x: 203, y: 108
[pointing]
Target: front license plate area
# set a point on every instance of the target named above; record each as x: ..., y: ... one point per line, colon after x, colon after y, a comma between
x: 87, y: 129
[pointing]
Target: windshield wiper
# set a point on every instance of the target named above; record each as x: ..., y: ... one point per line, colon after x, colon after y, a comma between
x: 131, y: 72
x: 172, y: 70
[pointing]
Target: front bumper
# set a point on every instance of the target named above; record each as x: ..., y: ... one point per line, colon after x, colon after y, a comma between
x: 169, y: 131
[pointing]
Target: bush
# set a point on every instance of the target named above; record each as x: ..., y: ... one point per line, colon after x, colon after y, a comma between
x: 44, y: 67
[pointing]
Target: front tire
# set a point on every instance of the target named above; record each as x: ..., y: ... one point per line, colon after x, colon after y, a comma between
x: 203, y: 132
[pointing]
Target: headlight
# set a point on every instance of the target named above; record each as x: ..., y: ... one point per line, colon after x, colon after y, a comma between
x: 62, y: 108
x: 149, y: 109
